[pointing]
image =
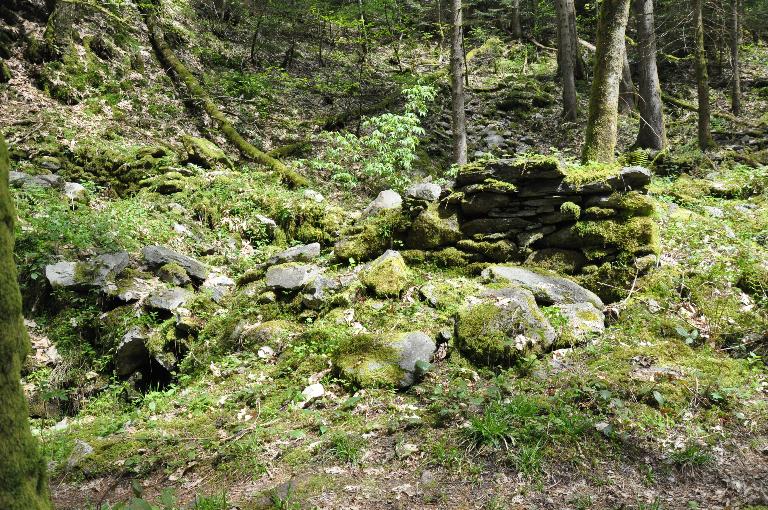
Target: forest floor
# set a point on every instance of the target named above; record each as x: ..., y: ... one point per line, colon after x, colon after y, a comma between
x: 584, y: 427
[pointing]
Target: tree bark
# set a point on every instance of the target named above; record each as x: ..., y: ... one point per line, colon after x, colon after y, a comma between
x: 579, y: 67
x: 457, y: 87
x: 567, y: 64
x: 517, y: 30
x: 627, y: 90
x: 602, y: 127
x: 735, y: 65
x: 169, y: 58
x: 702, y: 78
x: 652, y: 133
x: 23, y: 480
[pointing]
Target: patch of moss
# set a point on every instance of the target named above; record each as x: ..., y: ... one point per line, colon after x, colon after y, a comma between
x: 494, y: 251
x: 450, y: 257
x: 371, y: 237
x: 638, y: 236
x: 367, y: 361
x: 599, y: 213
x: 581, y: 174
x: 434, y: 227
x: 386, y: 276
x: 570, y: 210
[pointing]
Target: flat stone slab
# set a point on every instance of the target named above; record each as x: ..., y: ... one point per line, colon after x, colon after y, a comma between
x: 168, y: 299
x: 547, y: 289
x: 157, y: 256
x: 290, y: 276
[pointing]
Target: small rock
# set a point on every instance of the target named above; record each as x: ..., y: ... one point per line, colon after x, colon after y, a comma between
x: 157, y: 256
x: 583, y: 319
x: 386, y: 200
x: 265, y: 352
x: 168, y: 299
x: 427, y: 191
x: 291, y: 276
x: 311, y: 393
x: 219, y: 286
x: 270, y: 226
x: 548, y: 289
x: 714, y: 212
x: 318, y: 291
x: 79, y: 452
x: 74, y: 191
x: 302, y: 253
x: 313, y: 195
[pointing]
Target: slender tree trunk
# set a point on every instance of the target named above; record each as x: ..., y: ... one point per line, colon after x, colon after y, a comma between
x: 517, y: 30
x: 735, y: 65
x: 567, y: 64
x: 579, y: 67
x: 702, y: 78
x: 457, y: 87
x: 627, y: 90
x: 23, y: 480
x: 652, y: 134
x: 602, y: 127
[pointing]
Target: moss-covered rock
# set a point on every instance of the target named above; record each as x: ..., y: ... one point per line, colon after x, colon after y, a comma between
x: 494, y: 251
x: 558, y: 260
x: 505, y: 326
x: 434, y: 227
x: 394, y: 360
x: 204, y: 153
x: 638, y: 235
x: 386, y: 276
x: 371, y: 237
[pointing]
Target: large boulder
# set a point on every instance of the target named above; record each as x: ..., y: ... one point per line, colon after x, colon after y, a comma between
x: 426, y: 191
x: 386, y: 200
x: 291, y: 276
x: 158, y: 256
x: 22, y: 180
x: 503, y: 326
x: 131, y: 353
x: 384, y: 361
x: 99, y: 271
x: 319, y: 291
x: 434, y: 227
x: 386, y: 276
x: 548, y: 289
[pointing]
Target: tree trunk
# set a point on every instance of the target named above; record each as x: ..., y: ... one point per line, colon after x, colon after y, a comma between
x: 23, y: 480
x: 567, y: 64
x: 579, y: 71
x: 166, y: 55
x: 702, y: 78
x: 735, y: 66
x: 627, y: 90
x: 652, y: 134
x: 601, y: 133
x: 457, y: 87
x: 517, y: 30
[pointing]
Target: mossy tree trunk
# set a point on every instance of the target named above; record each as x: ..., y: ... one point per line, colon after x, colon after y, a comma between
x: 198, y: 93
x: 578, y: 61
x: 627, y: 90
x: 517, y: 29
x: 702, y: 78
x: 602, y: 127
x: 23, y: 480
x: 459, y: 116
x: 652, y: 133
x: 566, y: 56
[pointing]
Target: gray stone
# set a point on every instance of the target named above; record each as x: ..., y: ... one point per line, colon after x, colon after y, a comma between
x: 501, y: 326
x: 493, y: 141
x: 99, y: 271
x: 80, y: 451
x: 494, y: 225
x: 168, y: 299
x: 413, y: 347
x: 133, y: 289
x: 427, y: 191
x: 74, y: 191
x: 317, y: 292
x: 478, y: 204
x: 20, y: 179
x: 157, y: 256
x: 303, y: 253
x: 386, y: 200
x: 131, y: 353
x: 434, y: 227
x: 583, y: 319
x: 219, y: 286
x: 548, y: 289
x: 290, y: 276
x: 714, y: 212
x: 270, y: 226
x: 313, y: 195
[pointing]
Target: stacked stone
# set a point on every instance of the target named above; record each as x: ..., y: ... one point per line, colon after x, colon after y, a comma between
x: 533, y: 206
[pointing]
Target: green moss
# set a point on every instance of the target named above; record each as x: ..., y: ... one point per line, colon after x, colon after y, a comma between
x: 386, y: 276
x: 571, y: 210
x: 578, y: 175
x: 633, y: 203
x: 450, y: 257
x: 371, y: 237
x: 173, y: 272
x: 494, y: 251
x: 367, y: 361
x: 434, y: 227
x: 479, y: 338
x: 205, y: 153
x: 599, y: 213
x: 638, y: 236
